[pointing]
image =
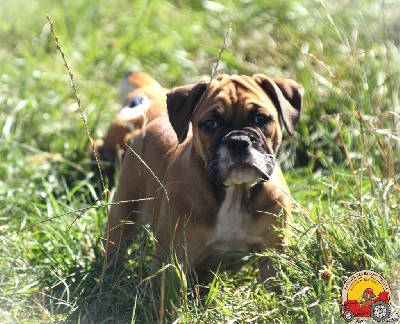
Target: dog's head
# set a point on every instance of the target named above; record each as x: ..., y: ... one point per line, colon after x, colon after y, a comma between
x: 235, y: 122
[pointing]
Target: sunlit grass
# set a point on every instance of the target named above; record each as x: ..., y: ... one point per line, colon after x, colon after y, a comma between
x: 342, y: 165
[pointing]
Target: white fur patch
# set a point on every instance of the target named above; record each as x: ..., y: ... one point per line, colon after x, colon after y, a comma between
x: 231, y: 232
x: 124, y: 88
x: 128, y: 113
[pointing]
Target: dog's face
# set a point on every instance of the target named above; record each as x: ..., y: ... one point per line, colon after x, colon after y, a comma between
x: 237, y: 131
x: 235, y: 122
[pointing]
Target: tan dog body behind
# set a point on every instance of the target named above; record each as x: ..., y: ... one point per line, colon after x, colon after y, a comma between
x: 219, y: 193
x: 142, y: 99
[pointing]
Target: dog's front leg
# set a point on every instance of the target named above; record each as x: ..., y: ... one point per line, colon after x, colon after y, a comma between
x: 123, y: 222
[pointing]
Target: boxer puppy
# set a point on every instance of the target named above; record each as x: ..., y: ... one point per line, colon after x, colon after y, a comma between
x: 212, y: 192
x: 143, y: 99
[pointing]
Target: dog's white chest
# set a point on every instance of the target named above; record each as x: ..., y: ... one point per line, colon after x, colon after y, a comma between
x: 234, y: 230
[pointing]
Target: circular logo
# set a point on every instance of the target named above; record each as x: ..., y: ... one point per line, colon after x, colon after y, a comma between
x: 365, y: 294
x: 356, y: 284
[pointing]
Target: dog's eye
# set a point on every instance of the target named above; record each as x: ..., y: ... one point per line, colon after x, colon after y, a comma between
x: 261, y: 119
x: 210, y: 124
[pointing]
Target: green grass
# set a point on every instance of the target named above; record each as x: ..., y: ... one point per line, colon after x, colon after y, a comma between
x: 342, y: 165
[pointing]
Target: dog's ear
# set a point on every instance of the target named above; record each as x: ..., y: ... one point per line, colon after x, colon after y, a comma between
x: 181, y: 103
x: 287, y: 95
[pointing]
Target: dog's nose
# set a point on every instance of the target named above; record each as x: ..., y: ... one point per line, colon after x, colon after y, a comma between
x: 238, y: 143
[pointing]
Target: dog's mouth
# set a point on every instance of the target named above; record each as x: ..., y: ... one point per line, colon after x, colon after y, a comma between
x: 239, y: 175
x: 242, y: 157
x: 248, y: 173
x: 227, y: 170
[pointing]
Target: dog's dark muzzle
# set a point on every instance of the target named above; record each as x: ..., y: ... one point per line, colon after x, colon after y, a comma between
x: 247, y: 149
